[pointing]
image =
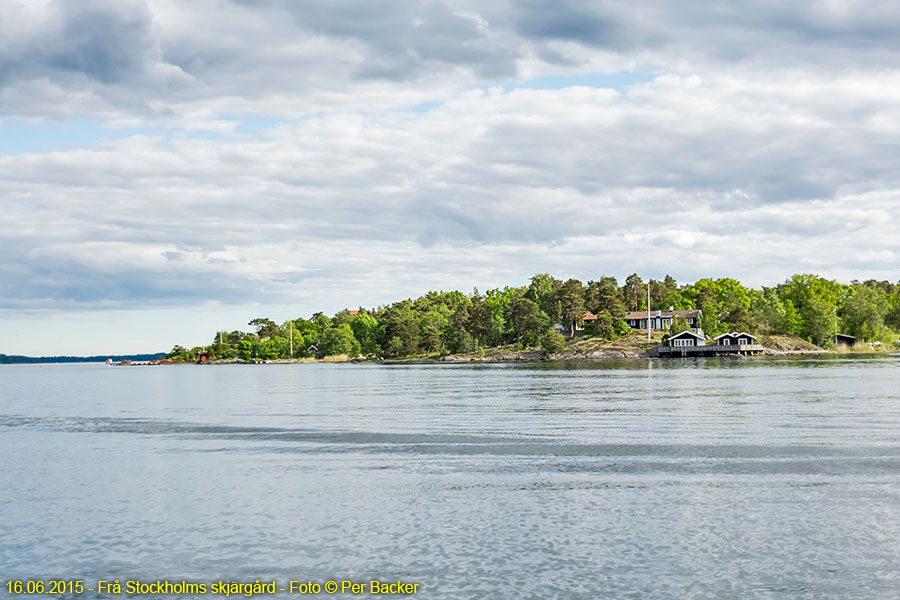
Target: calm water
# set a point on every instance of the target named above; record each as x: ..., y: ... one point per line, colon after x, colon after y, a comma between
x: 644, y: 479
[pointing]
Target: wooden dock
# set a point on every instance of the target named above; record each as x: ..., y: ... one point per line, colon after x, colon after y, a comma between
x: 712, y: 350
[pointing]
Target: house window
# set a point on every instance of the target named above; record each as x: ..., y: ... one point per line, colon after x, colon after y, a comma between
x: 743, y: 341
x: 726, y: 342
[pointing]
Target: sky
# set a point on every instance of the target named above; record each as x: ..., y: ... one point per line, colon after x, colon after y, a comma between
x: 169, y: 169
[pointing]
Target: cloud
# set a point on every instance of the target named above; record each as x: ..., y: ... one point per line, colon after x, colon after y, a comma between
x: 322, y: 155
x: 178, y: 62
x: 647, y: 179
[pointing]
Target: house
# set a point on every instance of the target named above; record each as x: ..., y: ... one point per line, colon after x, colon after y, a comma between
x: 735, y: 339
x: 662, y: 319
x: 686, y: 339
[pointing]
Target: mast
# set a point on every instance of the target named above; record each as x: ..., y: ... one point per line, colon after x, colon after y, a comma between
x: 292, y: 339
x: 835, y: 325
x: 649, y: 327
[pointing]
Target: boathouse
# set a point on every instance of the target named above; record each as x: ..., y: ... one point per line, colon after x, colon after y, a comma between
x: 735, y: 339
x: 686, y: 339
x: 688, y: 343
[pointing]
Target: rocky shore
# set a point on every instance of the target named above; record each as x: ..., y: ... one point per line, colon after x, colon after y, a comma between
x: 631, y: 346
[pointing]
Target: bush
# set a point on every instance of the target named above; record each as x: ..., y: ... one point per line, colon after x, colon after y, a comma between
x: 552, y: 342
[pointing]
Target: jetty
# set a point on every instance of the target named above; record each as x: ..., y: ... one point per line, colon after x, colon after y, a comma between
x: 710, y: 350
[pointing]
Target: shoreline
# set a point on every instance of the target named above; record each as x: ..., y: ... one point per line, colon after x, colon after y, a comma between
x: 629, y: 347
x: 511, y: 358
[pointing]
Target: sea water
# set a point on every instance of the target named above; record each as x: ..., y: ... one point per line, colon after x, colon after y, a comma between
x: 708, y: 478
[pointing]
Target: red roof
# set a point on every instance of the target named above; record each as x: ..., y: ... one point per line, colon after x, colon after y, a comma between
x: 353, y: 312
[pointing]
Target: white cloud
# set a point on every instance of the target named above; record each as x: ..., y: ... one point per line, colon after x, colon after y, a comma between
x: 763, y: 145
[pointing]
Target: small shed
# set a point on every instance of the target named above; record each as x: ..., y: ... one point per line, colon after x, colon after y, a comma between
x: 686, y: 339
x: 842, y: 339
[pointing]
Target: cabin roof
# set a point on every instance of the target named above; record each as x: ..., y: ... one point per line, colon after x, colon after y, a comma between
x: 734, y: 334
x: 685, y: 334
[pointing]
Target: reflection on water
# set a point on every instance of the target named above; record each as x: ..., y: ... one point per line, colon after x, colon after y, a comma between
x: 633, y: 479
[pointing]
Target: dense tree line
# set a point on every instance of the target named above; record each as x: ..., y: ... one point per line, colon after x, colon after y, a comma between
x: 453, y: 322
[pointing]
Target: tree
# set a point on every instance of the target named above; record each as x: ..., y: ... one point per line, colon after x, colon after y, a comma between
x: 365, y: 330
x: 571, y: 302
x: 552, y: 342
x: 181, y: 354
x: 610, y: 298
x: 430, y: 326
x: 527, y: 321
x: 671, y: 296
x: 709, y: 319
x: 480, y: 319
x: 339, y: 340
x: 400, y: 323
x: 456, y: 336
x: 864, y: 311
x: 264, y: 327
x: 499, y: 301
x: 542, y: 292
x: 634, y: 292
x: 247, y: 349
x: 679, y: 325
x: 818, y: 321
x: 607, y: 326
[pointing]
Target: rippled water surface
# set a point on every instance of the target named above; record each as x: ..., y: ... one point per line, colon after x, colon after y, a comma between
x: 640, y: 479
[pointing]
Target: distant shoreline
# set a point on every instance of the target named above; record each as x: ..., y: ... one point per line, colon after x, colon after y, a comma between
x: 17, y: 359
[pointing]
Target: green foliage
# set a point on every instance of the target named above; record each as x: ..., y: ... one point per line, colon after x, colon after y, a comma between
x: 864, y: 312
x: 542, y: 292
x: 527, y: 320
x: 552, y: 342
x: 179, y: 354
x: 634, y: 292
x: 570, y: 297
x: 339, y: 340
x: 679, y: 325
x: 247, y: 349
x: 365, y: 330
x: 445, y: 322
x: 818, y: 321
x: 607, y: 326
x: 399, y: 329
x: 709, y: 319
x: 480, y: 317
x: 604, y: 295
x: 264, y: 327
